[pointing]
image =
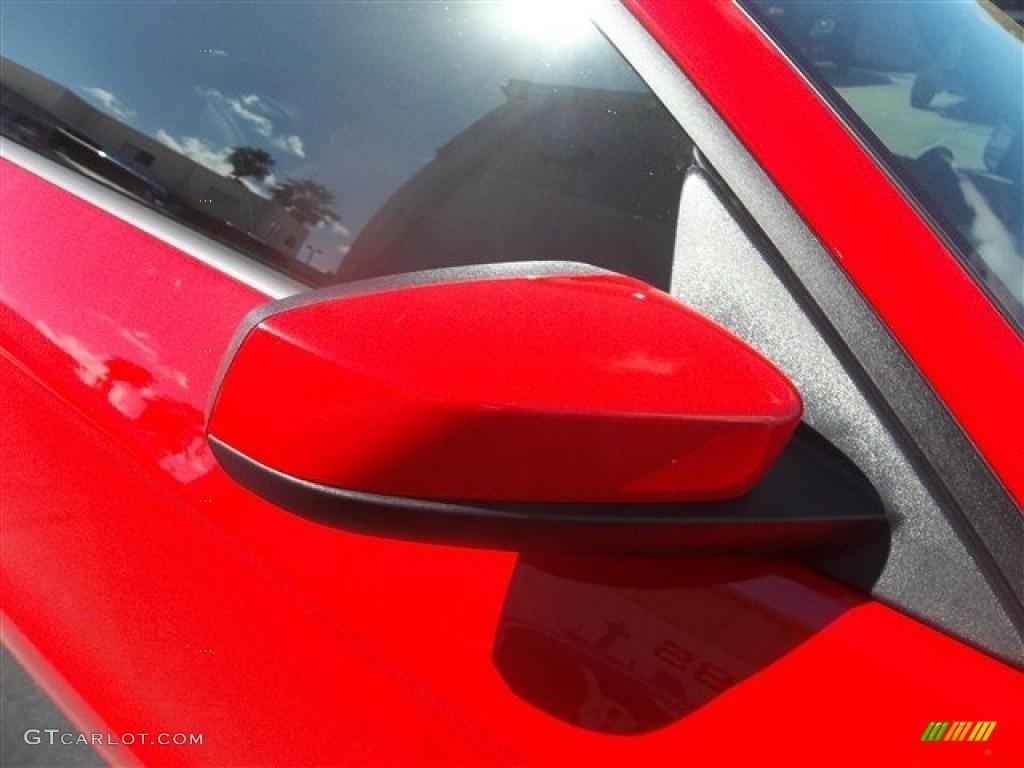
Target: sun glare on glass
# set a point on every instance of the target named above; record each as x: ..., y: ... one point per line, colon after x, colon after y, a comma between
x: 556, y: 23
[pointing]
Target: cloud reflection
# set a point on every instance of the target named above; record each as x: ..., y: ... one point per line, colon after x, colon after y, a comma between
x: 170, y: 426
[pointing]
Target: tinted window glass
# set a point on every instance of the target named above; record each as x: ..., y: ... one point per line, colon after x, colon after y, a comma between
x: 939, y: 86
x: 343, y: 140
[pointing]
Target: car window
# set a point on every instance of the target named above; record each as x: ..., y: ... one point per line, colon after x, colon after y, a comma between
x: 337, y: 141
x: 938, y: 88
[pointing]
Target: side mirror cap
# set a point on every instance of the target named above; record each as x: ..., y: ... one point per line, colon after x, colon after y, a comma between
x: 539, y: 391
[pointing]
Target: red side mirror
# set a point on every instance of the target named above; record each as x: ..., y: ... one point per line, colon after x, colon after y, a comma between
x: 518, y: 387
x: 526, y: 406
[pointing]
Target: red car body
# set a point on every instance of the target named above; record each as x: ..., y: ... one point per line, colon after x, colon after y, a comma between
x: 146, y: 592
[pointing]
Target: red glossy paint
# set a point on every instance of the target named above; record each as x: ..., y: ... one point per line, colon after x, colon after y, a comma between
x: 149, y: 600
x: 482, y: 390
x: 933, y: 307
x: 147, y: 592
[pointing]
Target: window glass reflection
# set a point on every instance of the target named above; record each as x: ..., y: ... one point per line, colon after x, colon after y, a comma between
x: 342, y: 140
x: 940, y: 86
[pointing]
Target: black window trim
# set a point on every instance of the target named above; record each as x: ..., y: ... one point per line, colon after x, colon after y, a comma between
x: 972, y: 497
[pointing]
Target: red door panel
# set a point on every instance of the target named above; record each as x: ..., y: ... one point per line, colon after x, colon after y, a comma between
x: 160, y: 597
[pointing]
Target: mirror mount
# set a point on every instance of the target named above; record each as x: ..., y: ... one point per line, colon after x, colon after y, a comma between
x: 813, y: 500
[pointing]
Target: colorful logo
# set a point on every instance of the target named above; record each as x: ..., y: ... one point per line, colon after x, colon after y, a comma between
x: 961, y: 730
